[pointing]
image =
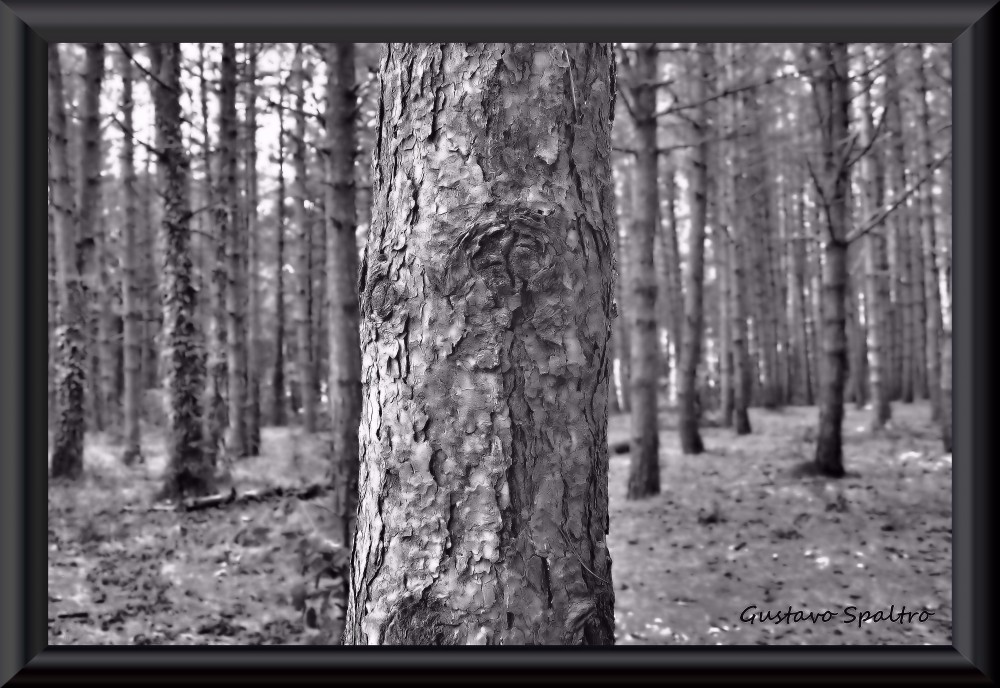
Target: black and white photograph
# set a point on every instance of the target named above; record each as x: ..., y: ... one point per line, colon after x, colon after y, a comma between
x: 439, y: 344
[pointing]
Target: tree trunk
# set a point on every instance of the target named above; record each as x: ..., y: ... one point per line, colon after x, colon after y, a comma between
x: 152, y: 311
x: 132, y: 402
x: 723, y: 260
x: 928, y: 232
x: 252, y: 421
x: 52, y: 320
x: 830, y: 87
x: 235, y: 280
x: 644, y: 470
x: 622, y: 340
x: 694, y: 314
x: 67, y: 445
x: 278, y: 407
x: 191, y: 468
x: 876, y: 269
x: 303, y: 273
x: 88, y: 204
x: 486, y: 296
x: 900, y: 231
x: 342, y: 257
x: 675, y: 277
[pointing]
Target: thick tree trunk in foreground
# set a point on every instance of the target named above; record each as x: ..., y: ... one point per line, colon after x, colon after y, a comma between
x: 132, y: 402
x: 191, y: 468
x: 67, y: 445
x: 342, y: 270
x: 831, y: 91
x: 487, y: 296
x: 694, y: 309
x: 644, y: 470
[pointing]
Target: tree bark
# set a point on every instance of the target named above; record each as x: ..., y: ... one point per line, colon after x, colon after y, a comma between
x: 342, y: 257
x: 876, y: 269
x: 928, y: 231
x: 486, y: 298
x: 88, y: 204
x: 132, y: 402
x: 191, y: 467
x: 694, y: 313
x: 644, y: 469
x: 67, y: 445
x: 235, y: 280
x: 830, y: 87
x: 253, y: 356
x: 303, y: 272
x: 278, y: 406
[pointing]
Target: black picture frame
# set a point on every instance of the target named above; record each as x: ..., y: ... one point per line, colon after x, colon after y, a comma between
x: 27, y: 25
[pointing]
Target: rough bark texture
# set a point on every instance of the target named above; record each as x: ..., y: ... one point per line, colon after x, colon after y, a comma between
x: 279, y: 415
x: 644, y: 471
x: 342, y: 257
x: 486, y: 302
x: 230, y: 229
x: 694, y: 313
x: 252, y: 411
x: 191, y: 467
x: 830, y: 86
x: 306, y: 373
x: 876, y: 270
x: 928, y: 231
x: 132, y: 402
x: 67, y: 445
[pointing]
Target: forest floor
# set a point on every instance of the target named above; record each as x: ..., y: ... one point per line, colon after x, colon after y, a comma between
x: 734, y: 527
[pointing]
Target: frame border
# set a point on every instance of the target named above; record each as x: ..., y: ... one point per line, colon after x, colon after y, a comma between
x: 27, y: 25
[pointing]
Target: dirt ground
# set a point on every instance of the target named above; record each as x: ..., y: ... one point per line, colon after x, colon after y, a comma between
x: 734, y: 527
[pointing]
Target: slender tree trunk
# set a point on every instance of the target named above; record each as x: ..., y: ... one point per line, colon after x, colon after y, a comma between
x: 235, y: 281
x: 253, y: 419
x: 876, y: 269
x: 486, y: 335
x: 644, y: 470
x: 928, y: 232
x: 52, y: 320
x: 342, y: 254
x: 694, y: 314
x: 152, y: 312
x: 67, y: 445
x: 675, y: 278
x: 831, y: 90
x: 89, y: 205
x: 622, y: 340
x: 724, y: 271
x: 132, y: 402
x: 303, y: 274
x: 191, y: 467
x: 900, y: 230
x: 278, y: 405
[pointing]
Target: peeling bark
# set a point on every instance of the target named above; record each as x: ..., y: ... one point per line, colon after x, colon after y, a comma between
x: 486, y: 297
